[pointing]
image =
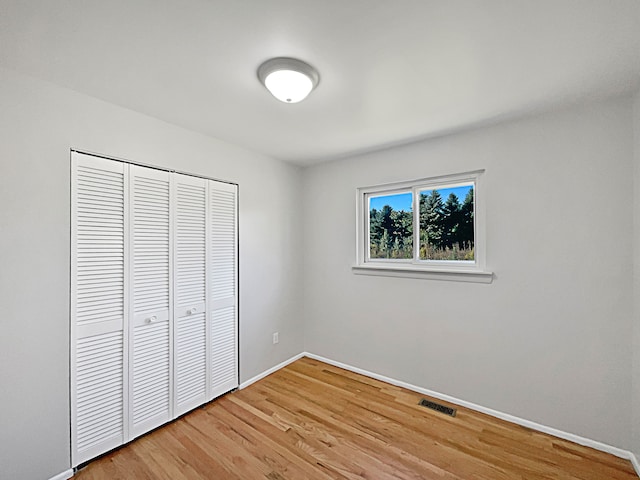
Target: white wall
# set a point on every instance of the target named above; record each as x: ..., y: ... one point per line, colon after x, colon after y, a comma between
x: 39, y: 123
x: 636, y: 282
x: 548, y: 340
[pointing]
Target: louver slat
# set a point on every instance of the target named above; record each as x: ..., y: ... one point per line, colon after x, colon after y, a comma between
x: 95, y: 256
x: 190, y: 356
x: 224, y: 370
x: 151, y: 366
x: 190, y: 292
x: 150, y: 207
x: 98, y: 306
x: 150, y: 279
x: 222, y: 288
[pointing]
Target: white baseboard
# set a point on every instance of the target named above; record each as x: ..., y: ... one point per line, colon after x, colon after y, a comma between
x: 260, y: 376
x: 64, y: 475
x: 634, y: 462
x: 618, y: 452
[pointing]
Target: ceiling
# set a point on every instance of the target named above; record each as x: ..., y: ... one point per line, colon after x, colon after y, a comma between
x: 390, y: 71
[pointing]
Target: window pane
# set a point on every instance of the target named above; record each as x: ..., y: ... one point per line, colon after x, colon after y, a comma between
x: 446, y: 223
x: 391, y: 226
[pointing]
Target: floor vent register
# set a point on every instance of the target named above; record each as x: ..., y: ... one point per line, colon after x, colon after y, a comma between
x: 437, y: 407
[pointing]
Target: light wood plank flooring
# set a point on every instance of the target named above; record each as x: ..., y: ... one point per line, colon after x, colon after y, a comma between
x: 311, y: 420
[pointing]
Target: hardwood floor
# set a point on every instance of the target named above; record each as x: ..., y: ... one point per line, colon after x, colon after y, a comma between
x: 311, y: 420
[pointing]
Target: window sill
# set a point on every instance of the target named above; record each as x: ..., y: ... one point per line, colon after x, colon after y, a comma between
x: 451, y: 275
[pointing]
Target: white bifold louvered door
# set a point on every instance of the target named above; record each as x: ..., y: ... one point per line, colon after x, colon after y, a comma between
x: 190, y: 232
x: 154, y: 301
x: 223, y: 298
x: 98, y: 306
x: 150, y: 328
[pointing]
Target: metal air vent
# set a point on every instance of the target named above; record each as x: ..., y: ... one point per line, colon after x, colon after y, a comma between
x: 438, y: 407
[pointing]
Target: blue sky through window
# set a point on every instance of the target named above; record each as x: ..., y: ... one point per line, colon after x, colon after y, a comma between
x: 402, y: 201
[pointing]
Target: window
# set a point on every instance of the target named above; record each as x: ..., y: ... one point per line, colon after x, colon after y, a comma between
x: 391, y: 226
x: 431, y: 227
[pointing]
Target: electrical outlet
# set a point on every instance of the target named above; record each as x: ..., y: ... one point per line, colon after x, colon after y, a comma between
x: 276, y: 338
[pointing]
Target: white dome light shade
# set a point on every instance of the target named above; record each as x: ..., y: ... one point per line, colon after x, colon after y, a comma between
x: 288, y: 79
x: 288, y: 86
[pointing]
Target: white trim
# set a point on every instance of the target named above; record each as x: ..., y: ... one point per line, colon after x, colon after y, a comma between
x: 64, y: 475
x: 587, y: 442
x: 260, y: 376
x: 409, y: 271
x: 464, y: 271
x: 634, y: 462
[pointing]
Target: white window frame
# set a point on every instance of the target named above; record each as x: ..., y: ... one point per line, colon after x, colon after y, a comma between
x: 456, y: 270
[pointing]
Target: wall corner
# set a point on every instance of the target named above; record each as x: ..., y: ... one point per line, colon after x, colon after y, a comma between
x: 635, y: 371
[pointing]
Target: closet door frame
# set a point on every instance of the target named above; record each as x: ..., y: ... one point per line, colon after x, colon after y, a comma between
x: 128, y: 431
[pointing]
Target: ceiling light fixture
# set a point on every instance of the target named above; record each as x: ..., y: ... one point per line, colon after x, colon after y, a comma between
x: 288, y: 79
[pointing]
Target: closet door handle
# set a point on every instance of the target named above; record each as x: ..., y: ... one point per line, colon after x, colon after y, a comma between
x: 192, y: 310
x: 151, y: 319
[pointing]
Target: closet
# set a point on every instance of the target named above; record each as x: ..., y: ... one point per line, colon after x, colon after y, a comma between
x: 154, y: 299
